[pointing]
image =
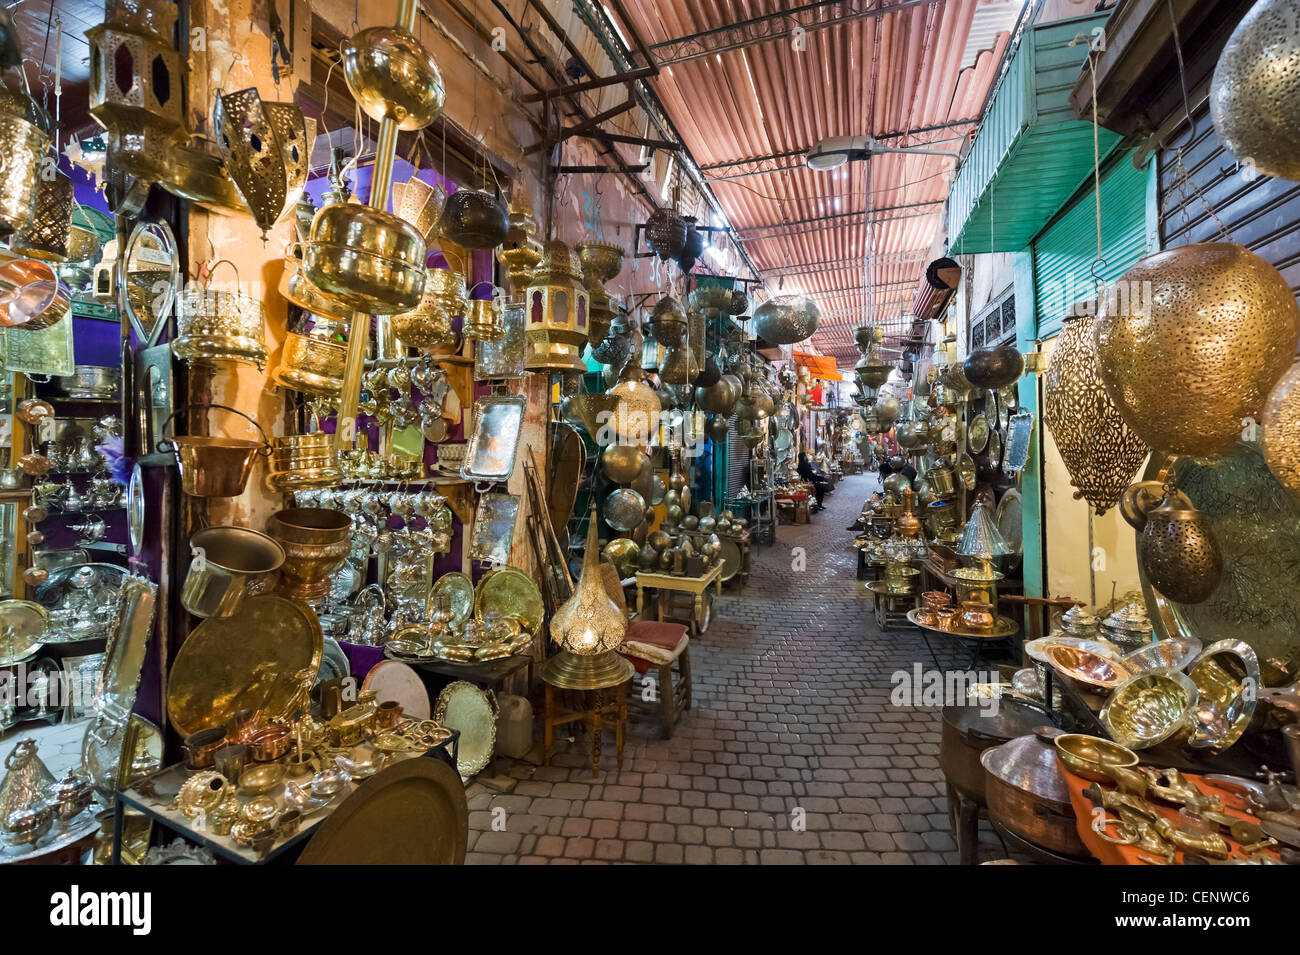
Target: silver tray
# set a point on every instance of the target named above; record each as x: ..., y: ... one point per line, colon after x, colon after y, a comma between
x: 494, y: 527
x: 494, y: 442
x: 1016, y: 453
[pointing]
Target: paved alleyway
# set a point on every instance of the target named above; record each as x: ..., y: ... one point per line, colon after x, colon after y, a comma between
x: 791, y: 712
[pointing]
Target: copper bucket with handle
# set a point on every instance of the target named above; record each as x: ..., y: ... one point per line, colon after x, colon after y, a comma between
x: 214, y: 466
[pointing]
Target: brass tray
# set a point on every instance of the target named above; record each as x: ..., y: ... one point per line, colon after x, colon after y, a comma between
x: 977, y: 435
x: 1256, y: 524
x: 472, y: 710
x: 731, y: 558
x: 514, y: 594
x: 249, y: 661
x: 461, y: 590
x: 412, y: 813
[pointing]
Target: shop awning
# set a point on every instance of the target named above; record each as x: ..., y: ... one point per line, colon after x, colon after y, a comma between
x: 819, y: 366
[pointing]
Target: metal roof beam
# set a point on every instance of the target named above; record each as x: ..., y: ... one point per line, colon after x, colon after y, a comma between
x: 805, y: 18
x: 804, y: 268
x: 836, y: 220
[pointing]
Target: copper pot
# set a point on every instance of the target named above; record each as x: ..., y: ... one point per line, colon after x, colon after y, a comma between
x: 316, y: 542
x: 1027, y: 795
x: 214, y: 466
x: 969, y: 730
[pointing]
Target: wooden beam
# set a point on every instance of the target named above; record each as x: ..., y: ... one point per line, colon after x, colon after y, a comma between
x: 600, y: 83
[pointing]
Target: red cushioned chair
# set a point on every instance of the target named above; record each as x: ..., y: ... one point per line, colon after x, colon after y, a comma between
x: 674, y: 697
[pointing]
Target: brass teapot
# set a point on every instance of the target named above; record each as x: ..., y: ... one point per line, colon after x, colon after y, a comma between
x: 1176, y: 545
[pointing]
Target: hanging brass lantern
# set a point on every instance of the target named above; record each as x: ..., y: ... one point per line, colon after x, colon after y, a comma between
x: 679, y: 366
x: 520, y: 252
x: 665, y: 233
x: 637, y: 417
x: 668, y: 322
x: 265, y: 150
x: 46, y: 234
x: 484, y: 321
x: 558, y: 306
x: 22, y: 147
x: 786, y: 319
x: 1255, y: 93
x: 588, y: 628
x: 421, y: 205
x: 1100, y: 451
x: 392, y: 76
x: 1177, y: 548
x: 1280, y: 430
x: 475, y: 219
x: 1190, y: 342
x: 135, y: 87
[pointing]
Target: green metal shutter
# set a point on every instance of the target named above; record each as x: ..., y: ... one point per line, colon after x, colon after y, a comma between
x: 1065, y: 251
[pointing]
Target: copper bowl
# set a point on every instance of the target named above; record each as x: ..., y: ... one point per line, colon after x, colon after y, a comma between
x: 269, y: 743
x: 316, y: 541
x: 201, y: 748
x: 312, y: 365
x: 1089, y: 756
x: 31, y: 296
x: 1092, y: 671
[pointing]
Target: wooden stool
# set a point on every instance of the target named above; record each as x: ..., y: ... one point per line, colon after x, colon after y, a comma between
x: 594, y: 717
x: 674, y: 697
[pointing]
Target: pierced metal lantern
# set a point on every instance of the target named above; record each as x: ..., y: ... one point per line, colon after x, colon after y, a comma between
x: 601, y: 261
x: 46, y: 234
x: 637, y: 413
x: 135, y: 86
x: 665, y: 233
x: 421, y: 205
x: 588, y: 628
x: 475, y: 219
x: 668, y: 322
x: 1100, y: 451
x: 1190, y: 342
x: 558, y: 316
x: 22, y: 147
x: 1280, y: 432
x: 1255, y: 93
x: 786, y: 320
x: 265, y: 150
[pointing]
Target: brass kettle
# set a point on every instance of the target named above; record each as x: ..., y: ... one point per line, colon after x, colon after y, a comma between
x: 1176, y: 546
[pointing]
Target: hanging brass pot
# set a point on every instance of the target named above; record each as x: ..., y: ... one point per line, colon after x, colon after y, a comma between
x: 367, y: 260
x: 1101, y: 452
x: 1176, y: 546
x: 1255, y: 93
x: 994, y: 368
x: 1190, y: 341
x: 475, y: 219
x: 392, y: 76
x: 786, y: 320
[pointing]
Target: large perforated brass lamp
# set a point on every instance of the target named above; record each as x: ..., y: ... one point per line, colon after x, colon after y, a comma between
x: 558, y: 308
x: 588, y: 628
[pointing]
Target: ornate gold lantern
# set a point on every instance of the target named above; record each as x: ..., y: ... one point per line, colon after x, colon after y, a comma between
x: 1255, y: 94
x: 1100, y: 451
x: 520, y: 252
x: 1280, y: 432
x: 588, y: 628
x: 266, y: 153
x: 22, y: 145
x: 484, y: 321
x: 46, y: 234
x: 1191, y: 341
x: 558, y: 313
x: 601, y: 261
x: 636, y: 418
x: 135, y: 86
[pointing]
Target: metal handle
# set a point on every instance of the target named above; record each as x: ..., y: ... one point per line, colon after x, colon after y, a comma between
x: 165, y: 444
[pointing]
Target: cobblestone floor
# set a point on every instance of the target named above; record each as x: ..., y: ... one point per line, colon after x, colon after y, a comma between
x: 792, y: 721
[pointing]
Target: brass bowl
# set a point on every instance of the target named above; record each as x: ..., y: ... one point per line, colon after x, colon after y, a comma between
x: 297, y: 288
x: 1088, y: 756
x: 1173, y: 654
x: 392, y: 76
x: 600, y: 261
x: 214, y: 325
x: 367, y: 260
x: 1227, y: 680
x: 312, y: 365
x: 429, y: 323
x: 316, y: 541
x: 1091, y: 670
x: 1149, y: 708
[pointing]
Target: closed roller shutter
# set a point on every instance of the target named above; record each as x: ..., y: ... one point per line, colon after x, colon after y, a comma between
x: 1262, y: 214
x: 737, y: 461
x: 1064, y: 252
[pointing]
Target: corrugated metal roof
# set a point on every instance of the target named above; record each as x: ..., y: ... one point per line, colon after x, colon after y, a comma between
x: 886, y: 76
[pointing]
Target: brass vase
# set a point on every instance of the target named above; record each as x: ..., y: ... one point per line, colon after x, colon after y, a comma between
x: 316, y: 542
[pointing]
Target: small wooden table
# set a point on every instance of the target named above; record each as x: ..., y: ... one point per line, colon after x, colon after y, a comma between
x: 593, y: 716
x: 701, y: 605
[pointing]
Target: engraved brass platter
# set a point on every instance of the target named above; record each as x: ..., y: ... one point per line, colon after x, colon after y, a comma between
x: 412, y: 813
x: 1256, y: 524
x: 514, y: 594
x: 251, y: 660
x: 460, y: 590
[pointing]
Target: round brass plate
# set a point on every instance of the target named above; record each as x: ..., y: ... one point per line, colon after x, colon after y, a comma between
x: 412, y: 813
x: 514, y: 594
x: 248, y: 661
x: 461, y: 591
x: 22, y: 624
